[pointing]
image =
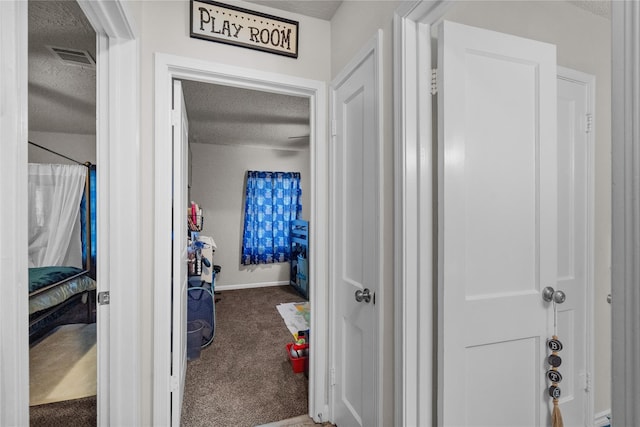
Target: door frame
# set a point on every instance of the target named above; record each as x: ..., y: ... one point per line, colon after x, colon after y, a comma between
x: 589, y: 82
x: 117, y: 136
x: 414, y: 216
x: 625, y: 305
x: 415, y: 222
x: 167, y: 68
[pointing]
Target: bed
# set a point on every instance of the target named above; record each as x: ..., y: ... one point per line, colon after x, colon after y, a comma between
x: 61, y: 294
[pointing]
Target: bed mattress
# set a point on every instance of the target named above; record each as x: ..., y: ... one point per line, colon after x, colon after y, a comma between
x: 41, y: 280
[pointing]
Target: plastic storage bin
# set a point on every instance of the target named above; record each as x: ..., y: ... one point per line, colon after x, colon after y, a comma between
x: 194, y: 339
x: 298, y: 364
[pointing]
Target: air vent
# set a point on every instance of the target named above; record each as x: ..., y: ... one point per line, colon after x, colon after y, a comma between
x: 75, y: 57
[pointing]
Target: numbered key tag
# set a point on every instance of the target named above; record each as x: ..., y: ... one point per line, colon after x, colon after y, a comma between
x: 554, y: 376
x: 554, y: 360
x: 554, y: 391
x: 554, y: 345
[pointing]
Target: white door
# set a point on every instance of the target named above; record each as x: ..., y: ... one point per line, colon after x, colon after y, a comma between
x: 355, y: 242
x: 179, y: 253
x: 496, y: 226
x: 575, y: 254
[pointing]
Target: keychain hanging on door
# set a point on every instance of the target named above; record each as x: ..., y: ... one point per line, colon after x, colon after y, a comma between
x: 553, y: 374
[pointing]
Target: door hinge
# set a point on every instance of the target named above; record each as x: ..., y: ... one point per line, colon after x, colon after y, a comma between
x: 173, y: 383
x: 588, y: 123
x: 434, y: 81
x: 587, y: 382
x: 334, y: 127
x: 332, y: 377
x: 103, y: 298
x: 175, y: 118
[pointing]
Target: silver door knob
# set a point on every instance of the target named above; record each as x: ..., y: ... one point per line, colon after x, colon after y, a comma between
x: 363, y: 295
x: 549, y: 294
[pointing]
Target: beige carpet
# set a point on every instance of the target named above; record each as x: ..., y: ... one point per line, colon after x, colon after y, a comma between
x: 301, y: 421
x: 63, y: 365
x: 244, y: 378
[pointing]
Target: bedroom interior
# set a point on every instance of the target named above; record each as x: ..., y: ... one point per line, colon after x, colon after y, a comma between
x: 62, y: 209
x: 251, y: 131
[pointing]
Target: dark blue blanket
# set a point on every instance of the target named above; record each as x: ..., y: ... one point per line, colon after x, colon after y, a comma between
x: 39, y: 277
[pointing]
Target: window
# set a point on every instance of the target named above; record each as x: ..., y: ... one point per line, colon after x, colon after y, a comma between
x: 272, y: 201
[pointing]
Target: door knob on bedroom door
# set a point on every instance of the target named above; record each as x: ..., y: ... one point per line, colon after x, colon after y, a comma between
x: 363, y: 295
x: 549, y: 294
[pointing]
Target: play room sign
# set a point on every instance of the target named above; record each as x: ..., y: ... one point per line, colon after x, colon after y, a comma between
x: 222, y: 23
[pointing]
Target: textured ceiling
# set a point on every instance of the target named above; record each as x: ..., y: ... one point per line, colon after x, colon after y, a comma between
x: 227, y: 115
x: 321, y: 9
x: 600, y: 8
x: 62, y: 98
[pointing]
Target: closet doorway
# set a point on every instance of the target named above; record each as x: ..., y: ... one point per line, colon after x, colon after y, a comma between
x: 169, y: 68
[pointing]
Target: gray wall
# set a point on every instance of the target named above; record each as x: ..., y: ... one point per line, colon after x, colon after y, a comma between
x: 79, y: 147
x: 218, y: 186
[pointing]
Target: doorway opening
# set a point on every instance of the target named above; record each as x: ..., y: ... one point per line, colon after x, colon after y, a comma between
x: 168, y: 68
x: 62, y: 213
x: 232, y: 131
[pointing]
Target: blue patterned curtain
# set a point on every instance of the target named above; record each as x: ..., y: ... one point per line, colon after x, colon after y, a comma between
x: 93, y: 204
x: 272, y: 201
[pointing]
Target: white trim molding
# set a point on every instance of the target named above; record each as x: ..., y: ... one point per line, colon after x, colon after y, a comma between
x: 625, y: 254
x: 168, y: 67
x: 14, y: 350
x: 589, y: 82
x: 118, y: 187
x: 415, y: 220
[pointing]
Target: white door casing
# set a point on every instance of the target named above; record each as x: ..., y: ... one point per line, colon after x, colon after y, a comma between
x: 118, y: 254
x: 497, y: 225
x: 180, y: 129
x: 355, y: 235
x: 14, y: 333
x: 575, y: 243
x: 168, y: 68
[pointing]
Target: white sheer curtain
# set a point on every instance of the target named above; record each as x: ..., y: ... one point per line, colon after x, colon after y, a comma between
x: 55, y: 193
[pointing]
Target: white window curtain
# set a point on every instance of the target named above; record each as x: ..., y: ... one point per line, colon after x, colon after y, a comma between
x: 55, y: 193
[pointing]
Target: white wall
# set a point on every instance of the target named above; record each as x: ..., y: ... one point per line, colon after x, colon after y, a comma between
x: 163, y: 26
x: 218, y: 186
x: 79, y: 147
x: 583, y: 43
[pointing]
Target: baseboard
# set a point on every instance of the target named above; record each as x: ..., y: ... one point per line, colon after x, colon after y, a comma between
x: 248, y: 286
x: 602, y: 419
